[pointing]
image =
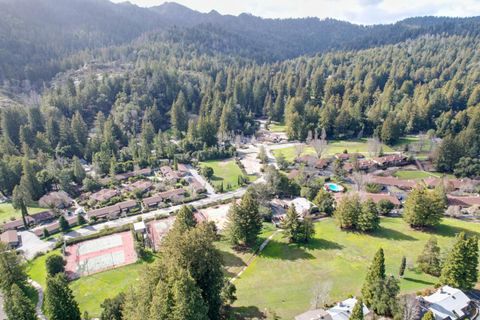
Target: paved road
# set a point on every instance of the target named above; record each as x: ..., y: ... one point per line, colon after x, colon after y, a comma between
x: 31, y: 244
x: 87, y: 230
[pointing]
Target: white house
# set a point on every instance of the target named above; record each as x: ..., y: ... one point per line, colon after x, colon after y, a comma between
x: 341, y: 311
x: 447, y: 303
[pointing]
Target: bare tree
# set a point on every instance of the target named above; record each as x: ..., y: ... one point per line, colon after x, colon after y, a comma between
x: 374, y: 146
x: 409, y: 307
x: 321, y: 295
x: 299, y: 149
x: 319, y: 144
x: 358, y: 178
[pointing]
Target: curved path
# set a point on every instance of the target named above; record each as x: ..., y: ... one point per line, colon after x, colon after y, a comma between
x: 38, y: 307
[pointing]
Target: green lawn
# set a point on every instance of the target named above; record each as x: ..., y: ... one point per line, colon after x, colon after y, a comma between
x: 413, y: 174
x: 277, y: 127
x: 284, y: 277
x: 334, y: 147
x: 226, y: 171
x: 36, y: 269
x: 7, y: 212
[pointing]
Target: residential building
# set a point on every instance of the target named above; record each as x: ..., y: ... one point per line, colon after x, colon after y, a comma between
x: 104, y: 195
x: 112, y: 212
x: 447, y: 303
x: 10, y: 238
x: 341, y: 311
x: 393, y: 160
x: 171, y: 195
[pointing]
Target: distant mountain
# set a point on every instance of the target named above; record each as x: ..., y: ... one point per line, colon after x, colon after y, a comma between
x: 35, y: 35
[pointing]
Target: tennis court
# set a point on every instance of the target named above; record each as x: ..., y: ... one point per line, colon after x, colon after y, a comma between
x: 158, y: 229
x: 101, y: 254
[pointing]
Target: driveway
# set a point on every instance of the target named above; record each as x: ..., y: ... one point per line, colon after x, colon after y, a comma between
x: 31, y: 244
x: 201, y: 179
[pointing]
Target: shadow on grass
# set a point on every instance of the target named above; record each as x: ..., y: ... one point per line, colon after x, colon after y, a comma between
x: 419, y: 281
x: 231, y: 260
x: 391, y: 234
x: 285, y: 251
x: 247, y: 313
x: 450, y: 231
x: 321, y: 244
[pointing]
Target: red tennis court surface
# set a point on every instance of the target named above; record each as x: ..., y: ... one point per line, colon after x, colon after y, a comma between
x: 158, y: 229
x: 100, y: 254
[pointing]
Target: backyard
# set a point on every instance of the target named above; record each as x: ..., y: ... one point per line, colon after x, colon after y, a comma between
x: 284, y: 277
x: 333, y: 147
x: 226, y: 171
x: 7, y: 212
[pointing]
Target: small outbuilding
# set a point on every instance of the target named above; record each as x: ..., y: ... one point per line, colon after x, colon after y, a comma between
x: 10, y: 238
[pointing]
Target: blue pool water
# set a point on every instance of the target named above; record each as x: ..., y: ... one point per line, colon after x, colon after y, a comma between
x: 334, y: 187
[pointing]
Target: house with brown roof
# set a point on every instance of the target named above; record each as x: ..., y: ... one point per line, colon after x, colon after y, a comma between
x: 182, y: 168
x: 112, y: 212
x: 10, y: 238
x: 196, y: 186
x: 393, y: 160
x: 348, y: 156
x: 393, y: 182
x: 463, y: 202
x: 169, y: 173
x: 142, y: 185
x: 141, y: 172
x: 173, y: 195
x: 322, y: 163
x: 55, y: 226
x: 16, y: 224
x: 42, y: 217
x: 104, y: 195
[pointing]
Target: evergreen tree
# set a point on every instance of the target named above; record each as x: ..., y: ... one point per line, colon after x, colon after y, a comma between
x: 375, y: 277
x: 78, y: 170
x: 21, y: 197
x: 179, y: 115
x: 185, y: 219
x: 429, y: 260
x: 291, y: 225
x: 460, y: 267
x: 64, y: 225
x: 357, y: 312
x: 448, y: 154
x: 11, y: 269
x: 54, y: 264
x: 17, y: 305
x: 403, y: 265
x: 347, y: 212
x: 29, y: 181
x: 244, y: 221
x: 368, y: 219
x: 324, y: 201
x: 59, y: 300
x: 423, y: 208
x: 112, y: 308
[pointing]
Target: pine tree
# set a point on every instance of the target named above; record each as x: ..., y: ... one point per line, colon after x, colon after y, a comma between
x: 244, y: 221
x: 78, y: 170
x: 59, y: 300
x: 429, y: 260
x: 291, y: 225
x: 347, y: 212
x: 178, y: 114
x: 357, y: 312
x: 11, y: 269
x: 423, y: 208
x: 54, y: 264
x: 403, y: 265
x: 368, y: 219
x: 112, y: 308
x: 185, y: 219
x: 29, y: 181
x: 21, y: 197
x: 375, y: 275
x: 18, y: 306
x: 63, y: 223
x: 460, y: 267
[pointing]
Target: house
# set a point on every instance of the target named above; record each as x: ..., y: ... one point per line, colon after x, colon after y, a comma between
x: 341, y: 311
x: 42, y: 217
x: 141, y: 172
x: 112, y: 212
x: 171, y: 195
x: 10, y: 238
x: 393, y: 160
x: 169, y: 173
x: 141, y: 185
x: 183, y: 168
x: 196, y: 185
x: 447, y: 303
x: 348, y: 156
x: 104, y: 195
x: 463, y: 202
x: 393, y: 182
x: 321, y: 164
x: 450, y: 184
x: 55, y: 226
x: 16, y: 224
x: 308, y: 160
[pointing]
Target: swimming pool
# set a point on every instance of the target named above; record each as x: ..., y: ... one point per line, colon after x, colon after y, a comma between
x: 333, y: 187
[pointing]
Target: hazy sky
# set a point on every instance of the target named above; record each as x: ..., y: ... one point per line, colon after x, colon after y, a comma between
x: 358, y: 11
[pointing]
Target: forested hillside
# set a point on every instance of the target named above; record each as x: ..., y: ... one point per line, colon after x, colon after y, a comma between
x: 38, y: 37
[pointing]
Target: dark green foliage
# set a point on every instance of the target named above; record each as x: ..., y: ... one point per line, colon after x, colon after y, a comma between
x: 448, y: 154
x: 373, y: 187
x: 460, y: 267
x: 424, y: 208
x: 112, y: 308
x: 385, y: 207
x: 45, y: 233
x: 17, y: 305
x: 368, y: 219
x: 244, y: 221
x: 376, y: 273
x: 207, y: 172
x: 467, y: 168
x: 54, y: 264
x: 295, y: 229
x: 324, y: 201
x: 185, y: 219
x: 81, y: 219
x: 403, y: 265
x: 352, y: 214
x: 11, y: 268
x: 64, y: 225
x: 429, y: 260
x: 357, y: 312
x: 60, y: 303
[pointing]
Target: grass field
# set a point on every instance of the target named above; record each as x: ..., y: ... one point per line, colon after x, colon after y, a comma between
x: 334, y: 147
x: 7, y: 212
x: 277, y: 127
x: 226, y: 171
x: 413, y: 174
x: 284, y: 277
